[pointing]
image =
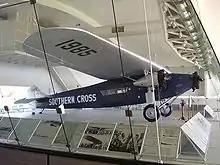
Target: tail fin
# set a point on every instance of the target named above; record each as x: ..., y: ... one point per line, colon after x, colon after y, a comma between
x: 33, y: 93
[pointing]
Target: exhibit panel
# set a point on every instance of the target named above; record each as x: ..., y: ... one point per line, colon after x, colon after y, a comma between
x: 6, y: 128
x: 111, y: 139
x: 96, y: 137
x: 24, y: 130
x: 127, y: 141
x: 168, y: 139
x: 45, y: 133
x: 199, y: 139
x: 74, y: 132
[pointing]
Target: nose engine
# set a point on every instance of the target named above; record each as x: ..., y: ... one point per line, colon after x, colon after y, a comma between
x: 195, y: 81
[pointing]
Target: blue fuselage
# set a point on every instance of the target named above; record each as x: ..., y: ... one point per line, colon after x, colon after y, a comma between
x: 117, y: 92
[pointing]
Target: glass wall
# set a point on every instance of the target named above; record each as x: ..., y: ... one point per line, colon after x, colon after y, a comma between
x: 52, y: 45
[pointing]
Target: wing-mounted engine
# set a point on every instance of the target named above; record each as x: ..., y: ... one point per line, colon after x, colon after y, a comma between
x: 159, y: 78
x: 146, y: 81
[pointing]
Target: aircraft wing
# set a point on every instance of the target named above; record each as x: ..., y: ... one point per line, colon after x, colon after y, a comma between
x: 83, y: 51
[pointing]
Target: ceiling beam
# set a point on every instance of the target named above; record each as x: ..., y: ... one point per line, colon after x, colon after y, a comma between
x: 179, y: 39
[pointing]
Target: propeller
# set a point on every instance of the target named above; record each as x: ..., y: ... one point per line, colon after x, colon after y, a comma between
x: 196, y: 79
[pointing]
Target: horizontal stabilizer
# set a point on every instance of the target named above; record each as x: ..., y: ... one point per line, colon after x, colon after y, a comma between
x: 24, y: 101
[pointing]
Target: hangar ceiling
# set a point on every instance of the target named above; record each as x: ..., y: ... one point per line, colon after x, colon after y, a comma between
x: 16, y: 23
x: 96, y: 16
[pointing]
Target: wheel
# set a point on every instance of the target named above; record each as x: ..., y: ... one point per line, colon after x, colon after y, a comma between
x: 149, y: 113
x: 166, y: 110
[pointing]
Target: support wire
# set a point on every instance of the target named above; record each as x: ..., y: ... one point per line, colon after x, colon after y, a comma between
x: 152, y: 79
x: 13, y: 5
x: 43, y: 47
x: 13, y: 128
x: 33, y: 3
x: 122, y: 71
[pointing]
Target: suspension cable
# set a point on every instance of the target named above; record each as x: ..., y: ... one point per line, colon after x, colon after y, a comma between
x: 122, y: 70
x: 33, y: 2
x: 118, y: 41
x: 43, y: 46
x: 152, y: 79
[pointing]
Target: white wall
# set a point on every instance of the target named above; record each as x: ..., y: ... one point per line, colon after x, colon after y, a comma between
x: 196, y: 6
x: 209, y: 11
x: 212, y: 87
x: 21, y: 75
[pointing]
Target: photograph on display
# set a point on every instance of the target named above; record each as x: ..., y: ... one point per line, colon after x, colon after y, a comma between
x: 45, y: 132
x: 6, y: 128
x: 122, y: 139
x: 74, y: 132
x: 25, y: 129
x: 97, y: 136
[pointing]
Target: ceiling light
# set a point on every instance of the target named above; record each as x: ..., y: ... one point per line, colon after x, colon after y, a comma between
x: 165, y: 8
x: 196, y: 44
x: 183, y: 6
x: 3, y: 4
x: 191, y: 27
x: 185, y: 43
x: 174, y: 25
x: 188, y: 22
x: 186, y: 14
x: 180, y: 34
x: 194, y: 37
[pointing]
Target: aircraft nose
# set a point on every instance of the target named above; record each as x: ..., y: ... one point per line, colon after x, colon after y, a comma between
x: 196, y: 80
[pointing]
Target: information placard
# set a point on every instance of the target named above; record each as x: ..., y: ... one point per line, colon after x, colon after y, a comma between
x: 210, y: 111
x: 198, y: 129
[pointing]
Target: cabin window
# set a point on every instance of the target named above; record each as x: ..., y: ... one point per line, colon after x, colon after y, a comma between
x: 114, y: 91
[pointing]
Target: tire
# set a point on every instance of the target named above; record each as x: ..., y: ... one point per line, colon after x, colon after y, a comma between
x: 167, y: 111
x: 146, y: 112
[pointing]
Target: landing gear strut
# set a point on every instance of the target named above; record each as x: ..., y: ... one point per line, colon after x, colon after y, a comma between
x: 149, y: 112
x: 164, y: 110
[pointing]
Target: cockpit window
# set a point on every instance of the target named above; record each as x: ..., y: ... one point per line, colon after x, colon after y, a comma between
x: 114, y: 91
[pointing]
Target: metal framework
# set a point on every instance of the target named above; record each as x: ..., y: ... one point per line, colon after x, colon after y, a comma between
x: 186, y: 35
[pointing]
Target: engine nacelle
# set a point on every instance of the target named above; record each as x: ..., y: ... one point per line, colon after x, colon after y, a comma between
x: 146, y: 81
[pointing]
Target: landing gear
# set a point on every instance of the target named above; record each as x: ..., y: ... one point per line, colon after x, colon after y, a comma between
x: 149, y: 113
x: 166, y: 110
